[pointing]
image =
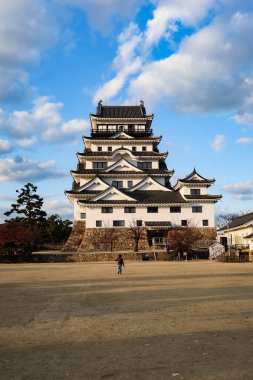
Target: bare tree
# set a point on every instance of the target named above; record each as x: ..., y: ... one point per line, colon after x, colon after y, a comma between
x: 184, y: 238
x: 108, y: 236
x: 136, y: 232
x: 224, y: 218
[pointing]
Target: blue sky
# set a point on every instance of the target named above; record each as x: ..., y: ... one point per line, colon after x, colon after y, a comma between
x: 189, y: 60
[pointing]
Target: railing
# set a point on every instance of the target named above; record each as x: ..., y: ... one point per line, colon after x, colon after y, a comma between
x: 109, y: 132
x: 239, y: 247
x: 233, y: 258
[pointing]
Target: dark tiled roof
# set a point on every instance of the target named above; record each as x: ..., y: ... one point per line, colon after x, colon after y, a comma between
x: 116, y: 140
x: 157, y: 196
x: 249, y: 236
x: 202, y: 197
x: 108, y: 154
x: 194, y: 172
x: 154, y: 224
x: 82, y: 192
x: 241, y: 220
x: 145, y: 197
x: 132, y: 172
x: 121, y: 112
x: 194, y: 181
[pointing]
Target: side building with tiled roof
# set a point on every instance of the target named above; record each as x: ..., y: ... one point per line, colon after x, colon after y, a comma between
x: 122, y: 181
x: 238, y: 233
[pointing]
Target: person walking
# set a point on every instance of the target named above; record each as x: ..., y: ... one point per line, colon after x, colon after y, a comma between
x: 120, y: 264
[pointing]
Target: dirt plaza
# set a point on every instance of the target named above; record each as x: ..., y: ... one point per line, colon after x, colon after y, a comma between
x: 159, y: 320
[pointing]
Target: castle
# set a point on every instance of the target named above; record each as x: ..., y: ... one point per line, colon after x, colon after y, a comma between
x: 122, y: 184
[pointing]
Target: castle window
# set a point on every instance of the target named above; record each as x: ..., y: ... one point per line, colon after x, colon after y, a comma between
x: 184, y: 223
x: 99, y: 165
x: 121, y: 128
x: 107, y: 210
x: 144, y: 165
x: 175, y: 209
x: 83, y: 215
x: 129, y: 183
x: 117, y: 183
x: 152, y: 209
x: 99, y: 148
x: 118, y: 223
x: 133, y: 148
x: 129, y: 210
x: 196, y: 209
x: 144, y: 148
x: 98, y: 223
x: 109, y: 148
x: 195, y: 191
x: 138, y: 223
x: 205, y: 223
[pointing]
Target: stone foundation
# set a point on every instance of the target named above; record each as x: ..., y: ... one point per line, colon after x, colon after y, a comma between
x: 75, y: 237
x: 111, y: 239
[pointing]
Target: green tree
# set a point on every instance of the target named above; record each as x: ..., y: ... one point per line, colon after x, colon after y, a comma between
x: 56, y: 229
x: 28, y: 210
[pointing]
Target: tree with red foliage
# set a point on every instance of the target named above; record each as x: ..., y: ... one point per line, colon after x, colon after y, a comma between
x: 14, y: 231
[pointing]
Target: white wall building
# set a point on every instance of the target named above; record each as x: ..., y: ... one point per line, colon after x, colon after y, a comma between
x: 122, y: 177
x: 238, y: 233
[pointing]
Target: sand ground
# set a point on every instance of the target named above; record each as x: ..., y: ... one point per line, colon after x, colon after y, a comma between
x: 159, y: 320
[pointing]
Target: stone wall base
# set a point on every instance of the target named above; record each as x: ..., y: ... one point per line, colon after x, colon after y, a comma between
x: 75, y: 237
x: 111, y: 239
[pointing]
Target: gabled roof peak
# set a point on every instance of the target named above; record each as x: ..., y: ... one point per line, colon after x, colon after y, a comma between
x: 121, y: 111
x: 194, y: 175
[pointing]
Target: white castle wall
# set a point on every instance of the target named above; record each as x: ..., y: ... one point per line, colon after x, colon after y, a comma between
x: 164, y: 214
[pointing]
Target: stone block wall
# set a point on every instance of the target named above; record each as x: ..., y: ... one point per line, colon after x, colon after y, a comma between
x: 75, y: 237
x: 107, y: 239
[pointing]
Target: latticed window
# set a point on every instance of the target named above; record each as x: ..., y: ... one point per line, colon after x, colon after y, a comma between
x: 152, y: 209
x: 117, y: 183
x: 98, y: 223
x: 175, y: 209
x: 129, y: 210
x: 144, y: 165
x: 99, y: 165
x: 196, y: 209
x: 83, y: 215
x: 106, y: 210
x: 195, y: 191
x: 118, y: 223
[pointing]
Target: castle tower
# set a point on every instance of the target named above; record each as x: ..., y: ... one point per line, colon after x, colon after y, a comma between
x: 122, y: 182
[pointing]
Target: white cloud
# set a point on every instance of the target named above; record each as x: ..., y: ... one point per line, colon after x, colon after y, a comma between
x: 125, y: 63
x: 209, y: 72
x: 219, y: 143
x: 102, y: 14
x: 240, y: 190
x: 244, y: 118
x: 245, y: 140
x: 42, y: 122
x: 20, y: 169
x: 169, y: 12
x: 61, y: 207
x: 210, y: 69
x: 26, y: 142
x: 27, y: 28
x: 5, y: 146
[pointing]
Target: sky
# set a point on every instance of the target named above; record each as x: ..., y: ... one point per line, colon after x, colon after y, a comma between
x: 190, y: 61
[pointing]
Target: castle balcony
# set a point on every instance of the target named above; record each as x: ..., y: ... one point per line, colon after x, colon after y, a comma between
x: 136, y: 132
